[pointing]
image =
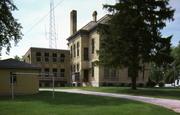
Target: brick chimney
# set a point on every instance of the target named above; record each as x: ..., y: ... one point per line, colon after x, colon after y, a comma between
x: 94, y: 16
x: 73, y: 22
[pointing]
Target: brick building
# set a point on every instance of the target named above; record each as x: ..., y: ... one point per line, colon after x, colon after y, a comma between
x: 53, y: 62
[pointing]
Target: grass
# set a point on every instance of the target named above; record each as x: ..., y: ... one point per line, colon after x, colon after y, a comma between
x: 172, y: 93
x: 76, y: 104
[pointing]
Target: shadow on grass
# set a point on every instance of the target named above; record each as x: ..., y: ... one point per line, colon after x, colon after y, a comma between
x: 76, y: 104
x: 70, y: 99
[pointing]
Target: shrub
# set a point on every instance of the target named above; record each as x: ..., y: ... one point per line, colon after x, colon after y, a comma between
x: 141, y: 85
x: 122, y: 84
x: 161, y: 84
x: 150, y: 83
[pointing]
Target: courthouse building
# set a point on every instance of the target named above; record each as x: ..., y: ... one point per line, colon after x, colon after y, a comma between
x: 84, y: 45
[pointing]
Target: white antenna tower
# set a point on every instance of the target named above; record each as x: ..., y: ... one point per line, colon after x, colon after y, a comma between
x: 52, y: 27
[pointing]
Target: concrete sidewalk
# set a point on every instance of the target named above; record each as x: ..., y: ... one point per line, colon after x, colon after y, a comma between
x: 167, y: 103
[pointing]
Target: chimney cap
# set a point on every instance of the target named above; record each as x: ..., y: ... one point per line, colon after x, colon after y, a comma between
x: 73, y: 10
x: 94, y: 16
x: 94, y: 13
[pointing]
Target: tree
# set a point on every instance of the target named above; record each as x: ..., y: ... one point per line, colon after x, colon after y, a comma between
x: 16, y: 57
x: 173, y: 71
x: 133, y: 35
x: 157, y: 74
x: 10, y: 29
x: 176, y: 54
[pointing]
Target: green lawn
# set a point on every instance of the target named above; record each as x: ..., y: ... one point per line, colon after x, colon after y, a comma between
x: 173, y: 93
x: 76, y: 104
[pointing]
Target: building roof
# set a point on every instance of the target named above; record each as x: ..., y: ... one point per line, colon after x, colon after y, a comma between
x: 90, y: 26
x: 15, y: 64
x: 49, y: 49
x: 46, y: 49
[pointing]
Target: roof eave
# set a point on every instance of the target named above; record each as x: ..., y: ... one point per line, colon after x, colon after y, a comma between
x: 80, y: 32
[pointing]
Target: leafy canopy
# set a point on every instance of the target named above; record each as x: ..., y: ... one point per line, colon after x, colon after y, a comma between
x: 10, y: 29
x: 135, y: 31
x: 133, y: 35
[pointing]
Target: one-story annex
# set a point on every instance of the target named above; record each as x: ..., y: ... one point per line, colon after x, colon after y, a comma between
x: 23, y: 76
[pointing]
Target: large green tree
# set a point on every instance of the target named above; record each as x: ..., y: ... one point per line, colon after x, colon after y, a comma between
x: 173, y: 72
x: 176, y: 54
x: 10, y: 29
x: 133, y: 35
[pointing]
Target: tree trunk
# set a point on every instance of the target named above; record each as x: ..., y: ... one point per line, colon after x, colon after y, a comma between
x: 133, y: 80
x: 133, y: 73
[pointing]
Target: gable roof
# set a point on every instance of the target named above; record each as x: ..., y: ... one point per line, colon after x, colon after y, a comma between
x: 90, y: 26
x: 15, y: 64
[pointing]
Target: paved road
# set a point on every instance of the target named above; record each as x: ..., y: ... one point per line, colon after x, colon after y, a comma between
x: 167, y: 103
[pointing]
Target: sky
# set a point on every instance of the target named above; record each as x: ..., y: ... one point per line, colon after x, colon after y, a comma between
x: 34, y: 18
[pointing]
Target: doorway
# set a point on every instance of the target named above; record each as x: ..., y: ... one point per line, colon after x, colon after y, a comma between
x: 86, y: 75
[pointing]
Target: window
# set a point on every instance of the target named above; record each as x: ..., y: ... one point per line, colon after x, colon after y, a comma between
x: 38, y: 53
x: 77, y: 76
x: 92, y: 46
x: 113, y: 73
x: 86, y: 54
x: 54, y: 57
x: 77, y: 67
x: 110, y: 74
x: 46, y: 70
x: 71, y: 52
x: 46, y: 59
x: 77, y: 48
x: 62, y: 58
x: 38, y: 56
x: 54, y: 54
x: 74, y: 50
x: 55, y: 72
x: 62, y: 72
x: 13, y: 78
x: 41, y: 71
x: 38, y: 59
x: 106, y: 73
x: 46, y: 55
x: 86, y: 75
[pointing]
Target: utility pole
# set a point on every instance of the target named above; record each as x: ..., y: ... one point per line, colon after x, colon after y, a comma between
x: 12, y: 85
x: 53, y: 96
